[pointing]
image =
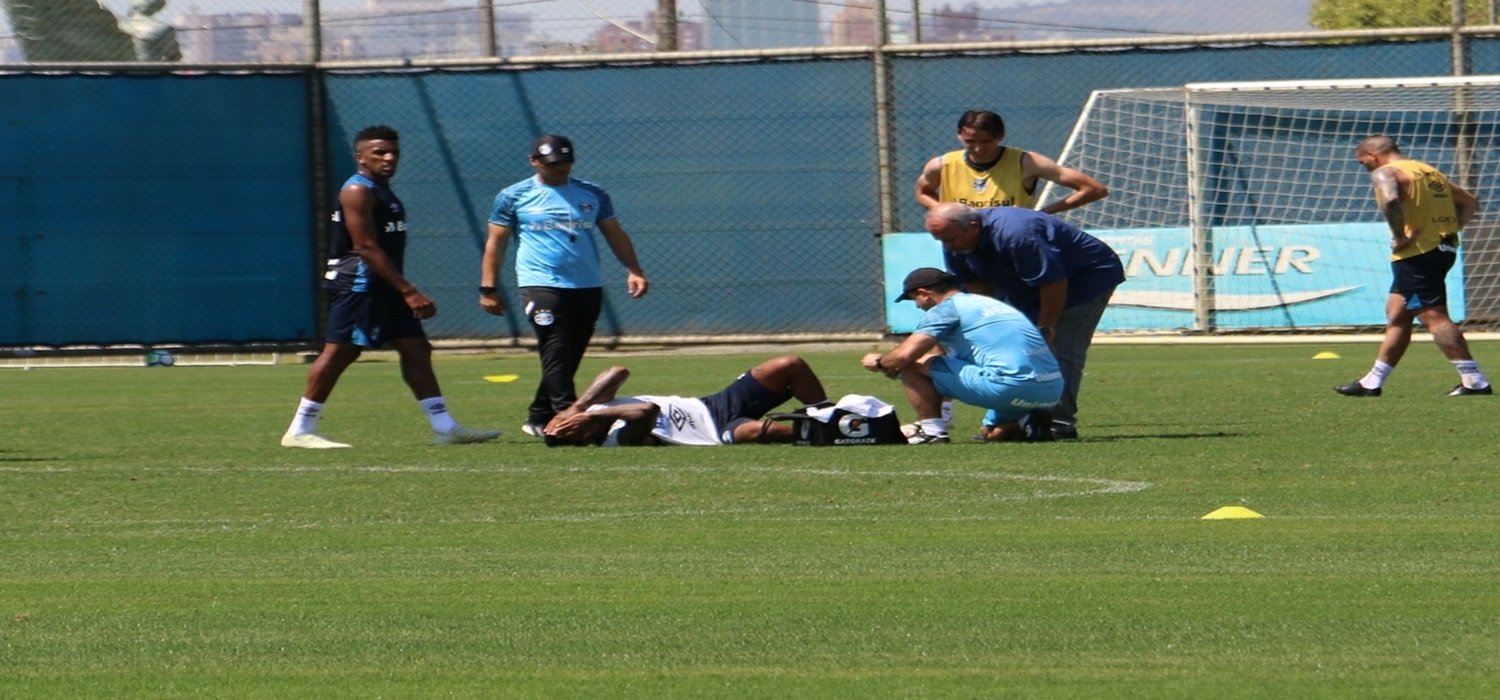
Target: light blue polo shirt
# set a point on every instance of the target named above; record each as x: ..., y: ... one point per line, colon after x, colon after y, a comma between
x: 554, y: 229
x: 993, y: 357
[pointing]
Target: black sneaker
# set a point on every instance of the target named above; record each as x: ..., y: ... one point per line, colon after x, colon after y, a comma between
x: 1357, y: 389
x: 1064, y: 431
x: 1462, y: 390
x: 1038, y: 426
x: 922, y: 438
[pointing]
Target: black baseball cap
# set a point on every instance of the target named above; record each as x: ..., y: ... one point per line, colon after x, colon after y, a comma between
x: 551, y: 148
x: 922, y: 278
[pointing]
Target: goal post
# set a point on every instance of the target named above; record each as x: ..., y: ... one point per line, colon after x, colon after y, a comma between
x: 1240, y: 207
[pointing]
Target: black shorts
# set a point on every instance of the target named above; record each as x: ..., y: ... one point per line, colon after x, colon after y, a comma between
x: 1420, y: 280
x: 744, y: 400
x: 369, y: 319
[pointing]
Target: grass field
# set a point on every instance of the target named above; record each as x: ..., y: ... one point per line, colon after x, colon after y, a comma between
x: 156, y: 542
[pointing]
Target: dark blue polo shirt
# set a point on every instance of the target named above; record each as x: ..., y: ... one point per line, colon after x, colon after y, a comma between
x: 1022, y: 249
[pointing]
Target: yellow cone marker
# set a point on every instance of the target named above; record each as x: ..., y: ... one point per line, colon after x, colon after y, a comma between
x: 501, y: 378
x: 1231, y: 513
x: 1326, y: 355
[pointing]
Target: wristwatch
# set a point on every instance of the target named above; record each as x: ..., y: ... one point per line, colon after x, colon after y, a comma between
x: 487, y: 290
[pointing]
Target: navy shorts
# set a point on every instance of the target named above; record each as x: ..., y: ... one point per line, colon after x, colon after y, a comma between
x: 369, y: 319
x: 1420, y: 280
x: 744, y: 400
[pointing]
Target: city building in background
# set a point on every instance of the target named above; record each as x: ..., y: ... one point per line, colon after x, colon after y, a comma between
x: 242, y: 38
x: 634, y: 36
x: 953, y: 25
x: 853, y: 26
x: 761, y: 24
x: 419, y: 29
x: 406, y: 29
x: 275, y: 31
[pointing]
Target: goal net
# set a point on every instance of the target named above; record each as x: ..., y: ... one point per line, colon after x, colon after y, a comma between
x: 1240, y: 207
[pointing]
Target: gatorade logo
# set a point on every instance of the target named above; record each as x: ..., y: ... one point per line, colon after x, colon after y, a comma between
x: 854, y: 426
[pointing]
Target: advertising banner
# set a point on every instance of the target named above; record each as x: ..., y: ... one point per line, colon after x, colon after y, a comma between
x: 1279, y: 277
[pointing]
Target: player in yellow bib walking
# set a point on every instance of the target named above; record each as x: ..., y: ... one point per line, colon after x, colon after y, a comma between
x: 1425, y: 213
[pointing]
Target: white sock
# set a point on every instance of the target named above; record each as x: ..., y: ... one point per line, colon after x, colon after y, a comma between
x: 947, y: 413
x: 1470, y: 374
x: 306, y: 419
x: 437, y: 414
x: 933, y: 426
x: 1376, y: 378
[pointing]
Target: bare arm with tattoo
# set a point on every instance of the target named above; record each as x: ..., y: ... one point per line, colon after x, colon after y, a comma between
x: 1389, y: 186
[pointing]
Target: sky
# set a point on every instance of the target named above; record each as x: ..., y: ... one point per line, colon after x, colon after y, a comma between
x: 560, y: 18
x: 573, y: 20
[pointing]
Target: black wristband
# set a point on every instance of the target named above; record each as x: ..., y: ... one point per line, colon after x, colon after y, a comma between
x: 487, y: 290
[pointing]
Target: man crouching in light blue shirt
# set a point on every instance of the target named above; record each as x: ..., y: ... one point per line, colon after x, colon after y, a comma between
x: 978, y: 350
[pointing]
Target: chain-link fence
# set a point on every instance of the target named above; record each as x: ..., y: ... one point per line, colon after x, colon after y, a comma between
x: 754, y: 184
x: 746, y: 186
x: 282, y: 31
x: 287, y: 31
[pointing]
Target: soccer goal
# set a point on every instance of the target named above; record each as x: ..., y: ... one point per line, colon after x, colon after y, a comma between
x: 1239, y: 206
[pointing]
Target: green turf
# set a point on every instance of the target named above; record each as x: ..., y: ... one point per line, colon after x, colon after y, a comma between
x: 156, y: 542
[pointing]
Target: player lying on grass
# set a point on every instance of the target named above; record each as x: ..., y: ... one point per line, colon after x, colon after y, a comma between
x: 735, y: 414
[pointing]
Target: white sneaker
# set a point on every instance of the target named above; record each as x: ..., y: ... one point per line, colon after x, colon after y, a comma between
x: 533, y: 429
x: 922, y: 438
x: 462, y: 435
x: 311, y: 441
x: 914, y: 427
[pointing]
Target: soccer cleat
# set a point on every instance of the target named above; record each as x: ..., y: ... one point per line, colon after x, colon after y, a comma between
x: 1356, y: 389
x: 1038, y: 426
x: 461, y: 435
x: 1064, y: 431
x: 533, y: 429
x: 1462, y: 390
x: 922, y: 438
x: 310, y: 441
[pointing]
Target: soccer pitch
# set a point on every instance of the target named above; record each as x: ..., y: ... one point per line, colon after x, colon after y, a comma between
x: 155, y: 541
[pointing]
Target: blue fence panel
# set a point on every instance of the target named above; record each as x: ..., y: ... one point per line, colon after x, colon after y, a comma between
x: 154, y: 209
x: 748, y: 188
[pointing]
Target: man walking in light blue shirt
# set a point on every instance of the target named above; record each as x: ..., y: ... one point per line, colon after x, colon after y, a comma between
x: 554, y: 216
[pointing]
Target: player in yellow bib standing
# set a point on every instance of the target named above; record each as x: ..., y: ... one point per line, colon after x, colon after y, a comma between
x: 1425, y: 213
x: 984, y: 174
